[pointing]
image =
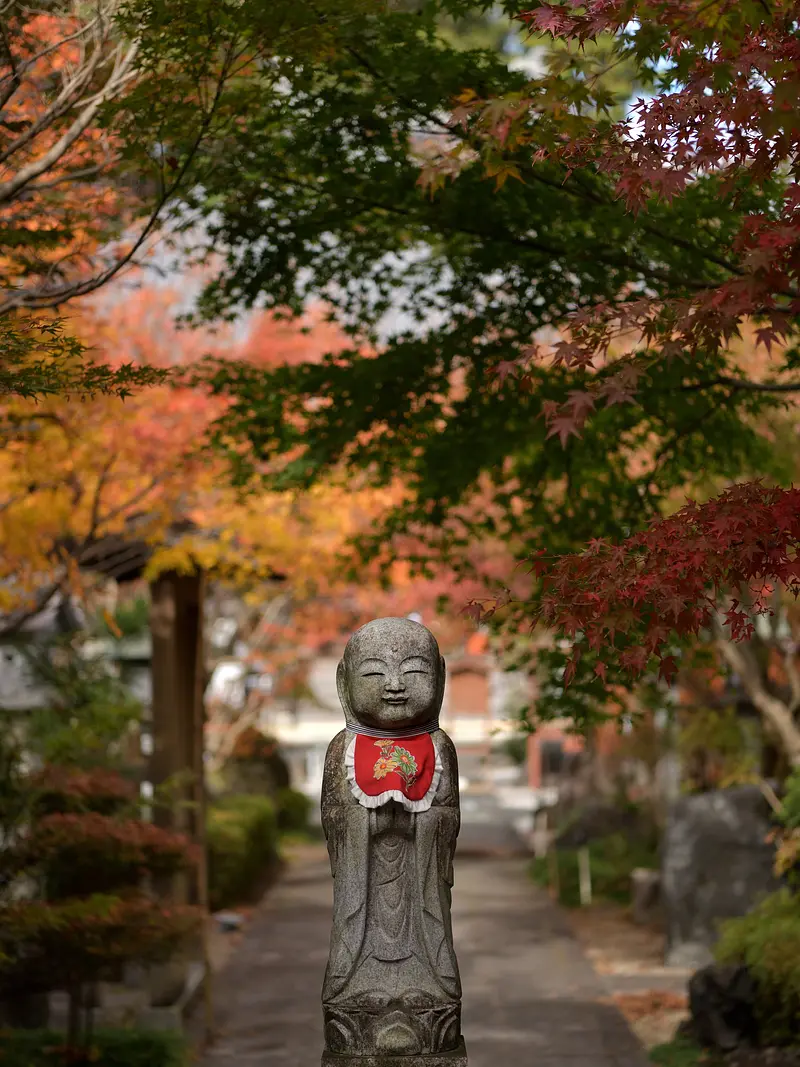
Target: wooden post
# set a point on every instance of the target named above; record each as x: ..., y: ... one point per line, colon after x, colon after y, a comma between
x: 541, y: 833
x: 201, y: 803
x: 177, y: 706
x: 176, y: 624
x: 585, y: 876
x: 555, y: 884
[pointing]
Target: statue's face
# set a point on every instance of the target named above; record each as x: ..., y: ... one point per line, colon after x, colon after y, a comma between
x: 392, y: 674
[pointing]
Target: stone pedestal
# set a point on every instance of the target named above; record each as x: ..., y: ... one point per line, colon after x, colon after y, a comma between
x: 456, y: 1058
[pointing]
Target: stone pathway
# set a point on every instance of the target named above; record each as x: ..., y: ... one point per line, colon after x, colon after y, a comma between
x: 531, y: 999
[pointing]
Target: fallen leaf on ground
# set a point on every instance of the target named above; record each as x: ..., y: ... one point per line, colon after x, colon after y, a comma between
x: 654, y: 1002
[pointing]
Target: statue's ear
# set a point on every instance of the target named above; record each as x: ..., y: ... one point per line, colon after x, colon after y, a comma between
x: 341, y: 689
x: 440, y: 686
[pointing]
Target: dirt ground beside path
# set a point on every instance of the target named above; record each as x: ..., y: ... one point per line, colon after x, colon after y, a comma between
x: 629, y: 958
x: 531, y: 998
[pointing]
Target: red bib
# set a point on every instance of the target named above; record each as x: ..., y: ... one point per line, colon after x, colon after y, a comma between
x: 404, y: 769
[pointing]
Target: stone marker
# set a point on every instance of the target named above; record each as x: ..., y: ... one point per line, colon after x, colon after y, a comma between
x: 390, y: 812
x: 716, y: 861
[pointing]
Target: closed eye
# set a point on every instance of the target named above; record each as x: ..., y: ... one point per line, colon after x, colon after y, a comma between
x: 372, y: 674
x: 414, y: 670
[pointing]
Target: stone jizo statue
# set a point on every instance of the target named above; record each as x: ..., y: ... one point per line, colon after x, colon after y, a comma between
x: 391, y: 817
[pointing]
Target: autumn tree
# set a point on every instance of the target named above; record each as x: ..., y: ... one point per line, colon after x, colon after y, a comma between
x: 369, y: 184
x: 107, y: 111
x: 74, y: 475
x: 722, y: 113
x: 579, y: 283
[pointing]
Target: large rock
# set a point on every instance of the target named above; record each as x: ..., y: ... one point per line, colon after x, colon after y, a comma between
x: 722, y: 1005
x: 716, y: 863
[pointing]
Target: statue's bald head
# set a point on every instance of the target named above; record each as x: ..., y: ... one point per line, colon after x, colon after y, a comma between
x: 391, y: 674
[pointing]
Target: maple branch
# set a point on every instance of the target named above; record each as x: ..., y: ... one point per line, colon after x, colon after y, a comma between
x: 647, y: 227
x: 562, y: 187
x: 82, y: 31
x: 14, y: 80
x: 135, y: 498
x: 743, y: 384
x: 105, y: 470
x: 777, y: 714
x: 75, y: 176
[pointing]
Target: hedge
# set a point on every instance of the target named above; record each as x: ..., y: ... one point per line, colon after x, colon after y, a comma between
x: 767, y: 941
x: 242, y: 839
x: 108, y: 1048
x: 612, y: 861
x: 293, y: 810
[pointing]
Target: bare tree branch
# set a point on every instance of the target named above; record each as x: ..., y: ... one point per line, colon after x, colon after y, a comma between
x: 775, y: 712
x: 70, y: 95
x: 10, y: 188
x: 75, y: 176
x: 61, y: 294
x: 132, y: 501
x: 13, y: 623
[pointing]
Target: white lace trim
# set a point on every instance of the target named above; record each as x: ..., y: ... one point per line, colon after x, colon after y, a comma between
x: 368, y: 801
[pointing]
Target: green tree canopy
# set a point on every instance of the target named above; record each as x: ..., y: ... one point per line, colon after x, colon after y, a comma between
x: 320, y: 196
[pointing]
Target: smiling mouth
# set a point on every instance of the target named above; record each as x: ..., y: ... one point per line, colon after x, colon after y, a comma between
x: 395, y: 700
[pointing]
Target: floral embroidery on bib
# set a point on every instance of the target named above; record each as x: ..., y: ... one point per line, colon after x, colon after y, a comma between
x: 407, y: 771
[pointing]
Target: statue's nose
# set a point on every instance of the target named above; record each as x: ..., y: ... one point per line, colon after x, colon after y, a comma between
x: 395, y: 684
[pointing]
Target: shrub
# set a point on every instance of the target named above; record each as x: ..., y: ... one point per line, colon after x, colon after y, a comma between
x: 612, y: 861
x: 787, y: 834
x: 678, y: 1053
x: 767, y: 941
x: 242, y: 841
x: 255, y: 766
x: 56, y: 945
x: 109, y: 1048
x: 293, y: 810
x: 93, y: 915
x: 64, y: 789
x: 717, y: 749
x: 98, y: 853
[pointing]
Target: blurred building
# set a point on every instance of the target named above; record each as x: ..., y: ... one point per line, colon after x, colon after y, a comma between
x: 478, y: 704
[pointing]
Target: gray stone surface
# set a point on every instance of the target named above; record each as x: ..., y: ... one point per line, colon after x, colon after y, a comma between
x: 646, y: 895
x: 392, y: 985
x: 456, y: 1057
x: 531, y: 998
x: 716, y: 863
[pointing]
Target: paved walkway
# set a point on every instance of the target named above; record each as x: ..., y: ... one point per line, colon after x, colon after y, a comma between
x: 531, y: 999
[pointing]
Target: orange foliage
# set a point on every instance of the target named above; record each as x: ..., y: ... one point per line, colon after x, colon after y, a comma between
x: 80, y: 471
x: 58, y: 207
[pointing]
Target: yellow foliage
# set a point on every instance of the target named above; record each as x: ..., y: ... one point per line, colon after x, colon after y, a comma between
x: 76, y: 472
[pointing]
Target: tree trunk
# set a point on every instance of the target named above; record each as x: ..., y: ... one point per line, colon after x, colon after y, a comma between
x: 776, y: 714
